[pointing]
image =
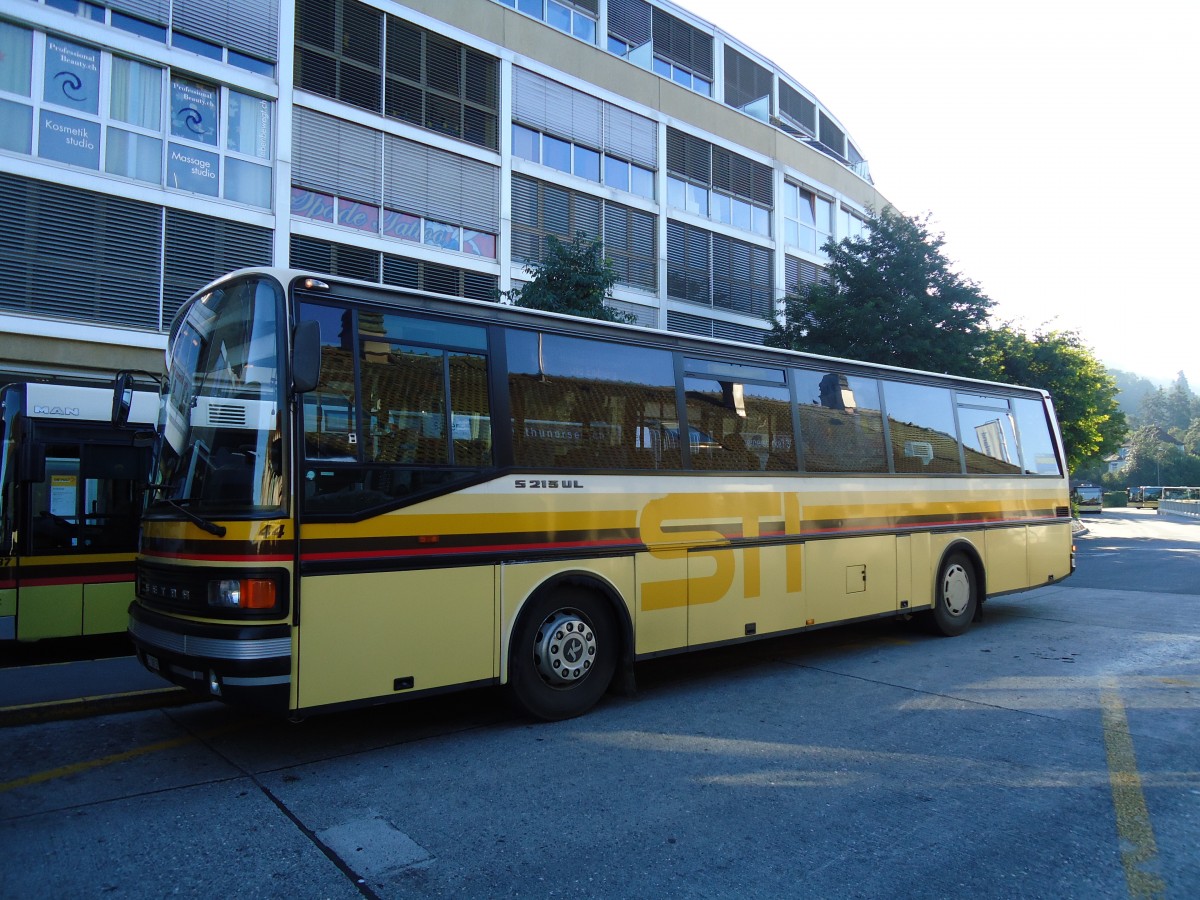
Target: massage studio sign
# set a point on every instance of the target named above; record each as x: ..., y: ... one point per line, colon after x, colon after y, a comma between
x: 194, y: 109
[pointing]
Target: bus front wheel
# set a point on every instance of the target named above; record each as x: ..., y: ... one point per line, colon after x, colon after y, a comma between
x: 562, y: 655
x: 956, y: 596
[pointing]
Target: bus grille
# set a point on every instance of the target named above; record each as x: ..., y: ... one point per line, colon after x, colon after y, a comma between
x: 227, y: 416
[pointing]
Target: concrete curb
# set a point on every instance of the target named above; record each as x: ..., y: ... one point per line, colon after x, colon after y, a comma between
x: 85, y: 707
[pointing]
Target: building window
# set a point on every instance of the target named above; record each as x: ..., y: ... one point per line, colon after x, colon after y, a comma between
x: 678, y: 74
x: 339, y: 51
x: 576, y: 18
x: 747, y: 85
x: 682, y: 53
x: 441, y: 85
x: 582, y: 161
x: 391, y: 223
x: 542, y: 210
x: 416, y: 193
x: 718, y: 184
x: 799, y: 110
x: 852, y: 225
x: 807, y: 219
x: 194, y: 111
x: 718, y: 271
x: 105, y: 112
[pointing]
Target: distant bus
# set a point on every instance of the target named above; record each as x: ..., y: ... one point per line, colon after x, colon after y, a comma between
x: 1180, y: 493
x: 365, y: 494
x: 70, y: 499
x: 1145, y: 496
x: 1088, y: 498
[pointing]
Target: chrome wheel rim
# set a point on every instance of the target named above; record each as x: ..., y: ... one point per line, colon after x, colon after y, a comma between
x: 564, y: 648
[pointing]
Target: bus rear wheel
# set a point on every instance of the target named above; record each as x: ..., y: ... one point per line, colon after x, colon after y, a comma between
x: 955, y: 596
x: 563, y: 654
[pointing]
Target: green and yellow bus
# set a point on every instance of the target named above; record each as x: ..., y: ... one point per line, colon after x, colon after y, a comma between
x: 1088, y: 498
x: 365, y: 494
x: 1145, y: 496
x: 70, y: 499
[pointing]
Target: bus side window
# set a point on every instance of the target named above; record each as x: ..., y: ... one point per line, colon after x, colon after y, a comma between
x: 111, y: 474
x: 841, y: 425
x: 583, y: 403
x: 988, y: 436
x: 921, y: 426
x: 1037, y: 444
x: 331, y: 409
x: 736, y: 427
x: 54, y: 502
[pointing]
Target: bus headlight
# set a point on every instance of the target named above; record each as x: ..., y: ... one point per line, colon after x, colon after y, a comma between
x: 242, y: 593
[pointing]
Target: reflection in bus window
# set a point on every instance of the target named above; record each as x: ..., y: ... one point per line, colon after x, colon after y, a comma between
x: 841, y: 426
x: 921, y: 427
x: 1037, y: 443
x: 424, y: 420
x: 989, y: 441
x: 580, y: 403
x: 330, y: 411
x: 739, y: 427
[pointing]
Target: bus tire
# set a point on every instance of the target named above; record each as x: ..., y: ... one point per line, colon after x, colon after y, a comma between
x: 955, y: 596
x: 563, y: 654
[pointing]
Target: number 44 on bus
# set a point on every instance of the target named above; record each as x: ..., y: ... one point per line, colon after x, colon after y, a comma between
x: 364, y: 494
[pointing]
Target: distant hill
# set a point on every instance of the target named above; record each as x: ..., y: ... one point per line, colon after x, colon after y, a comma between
x: 1133, y: 391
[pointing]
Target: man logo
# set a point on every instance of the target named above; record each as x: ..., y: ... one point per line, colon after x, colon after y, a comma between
x: 64, y: 411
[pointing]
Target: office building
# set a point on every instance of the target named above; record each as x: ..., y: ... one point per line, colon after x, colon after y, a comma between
x: 147, y: 146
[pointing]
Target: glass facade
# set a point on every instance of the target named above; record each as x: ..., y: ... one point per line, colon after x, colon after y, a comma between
x: 405, y: 165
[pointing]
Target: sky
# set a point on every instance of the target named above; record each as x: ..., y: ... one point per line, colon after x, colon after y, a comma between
x: 1055, y: 145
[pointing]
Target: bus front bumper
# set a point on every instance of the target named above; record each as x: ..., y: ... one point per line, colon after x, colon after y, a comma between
x: 245, y: 665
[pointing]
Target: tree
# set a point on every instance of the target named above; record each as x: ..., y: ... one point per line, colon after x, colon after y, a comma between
x: 574, y: 279
x: 1084, y: 393
x: 1181, y: 405
x: 891, y: 298
x: 1150, y: 456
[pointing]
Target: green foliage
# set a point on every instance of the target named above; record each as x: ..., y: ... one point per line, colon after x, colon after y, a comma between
x: 1115, y: 500
x: 1165, y: 446
x: 574, y: 279
x: 891, y: 298
x: 1084, y: 394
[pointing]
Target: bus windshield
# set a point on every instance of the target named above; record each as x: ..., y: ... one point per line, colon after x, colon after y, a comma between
x: 222, y: 432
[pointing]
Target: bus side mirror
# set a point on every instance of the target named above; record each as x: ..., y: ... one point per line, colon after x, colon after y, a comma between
x: 306, y: 357
x: 122, y: 398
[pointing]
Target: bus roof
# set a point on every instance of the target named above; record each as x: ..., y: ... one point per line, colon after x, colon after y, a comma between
x: 373, y: 292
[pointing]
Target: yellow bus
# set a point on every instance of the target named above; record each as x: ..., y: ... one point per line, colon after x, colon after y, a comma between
x: 1088, y: 498
x: 365, y: 494
x: 1145, y: 496
x: 70, y: 500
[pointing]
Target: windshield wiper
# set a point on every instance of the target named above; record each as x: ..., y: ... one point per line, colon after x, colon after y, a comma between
x: 211, y: 527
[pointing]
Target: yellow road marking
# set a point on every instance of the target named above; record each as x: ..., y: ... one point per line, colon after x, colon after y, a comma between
x: 88, y: 764
x: 1138, y: 848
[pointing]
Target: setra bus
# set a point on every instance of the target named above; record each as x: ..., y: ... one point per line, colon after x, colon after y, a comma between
x: 70, y: 500
x: 1145, y: 496
x: 366, y: 494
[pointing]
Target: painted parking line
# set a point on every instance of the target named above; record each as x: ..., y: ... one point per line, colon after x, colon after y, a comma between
x: 88, y: 764
x: 1139, y: 852
x: 124, y: 756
